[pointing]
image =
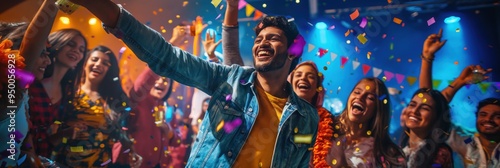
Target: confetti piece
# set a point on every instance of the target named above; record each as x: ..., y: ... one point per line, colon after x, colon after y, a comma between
x: 25, y: 77
x: 321, y: 52
x: 331, y: 27
x: 303, y: 138
x: 126, y: 151
x: 385, y: 101
x: 220, y: 126
x: 228, y: 97
x: 333, y: 56
x: 232, y: 125
x: 363, y: 23
x: 334, y: 161
x: 367, y: 87
x: 338, y: 89
x: 106, y: 162
x: 296, y: 130
x: 347, y: 33
x: 362, y: 39
x: 216, y: 2
x: 424, y: 100
x: 348, y: 42
x: 354, y: 14
x: 124, y: 128
x: 397, y: 20
x: 431, y: 21
x: 391, y: 46
x: 185, y: 3
x: 436, y: 83
x: 382, y: 97
x: 297, y: 47
x: 384, y: 35
x: 57, y: 122
x: 355, y: 65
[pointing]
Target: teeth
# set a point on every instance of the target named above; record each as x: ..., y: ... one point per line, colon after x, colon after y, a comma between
x: 357, y: 104
x: 413, y: 118
x: 41, y: 69
x: 263, y: 53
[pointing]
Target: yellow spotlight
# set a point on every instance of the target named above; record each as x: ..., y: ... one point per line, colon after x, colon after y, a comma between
x: 92, y: 21
x: 64, y: 19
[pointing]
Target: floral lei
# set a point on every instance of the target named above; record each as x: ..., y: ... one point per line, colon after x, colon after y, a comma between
x: 323, y: 139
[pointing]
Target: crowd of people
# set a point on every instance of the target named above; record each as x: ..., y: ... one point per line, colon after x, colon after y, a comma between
x: 75, y: 112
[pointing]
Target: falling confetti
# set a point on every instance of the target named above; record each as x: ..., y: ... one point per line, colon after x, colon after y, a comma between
x: 303, y: 138
x: 106, y: 162
x: 431, y: 21
x: 228, y: 97
x: 363, y: 23
x: 354, y: 14
x: 220, y: 126
x: 216, y: 2
x: 297, y: 46
x: 362, y: 39
x: 231, y: 125
x: 397, y: 20
x: 321, y: 52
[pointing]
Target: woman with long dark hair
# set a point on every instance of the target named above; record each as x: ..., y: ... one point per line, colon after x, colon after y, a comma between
x: 99, y: 111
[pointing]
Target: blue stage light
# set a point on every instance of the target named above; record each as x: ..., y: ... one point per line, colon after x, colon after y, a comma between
x: 321, y: 25
x: 451, y: 19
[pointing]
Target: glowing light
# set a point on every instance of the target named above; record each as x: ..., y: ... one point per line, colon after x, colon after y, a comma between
x: 297, y: 1
x: 64, y: 19
x: 451, y: 19
x: 321, y: 25
x: 92, y: 21
x: 264, y: 5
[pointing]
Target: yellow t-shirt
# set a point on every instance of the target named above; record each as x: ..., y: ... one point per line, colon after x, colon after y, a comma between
x: 259, y: 147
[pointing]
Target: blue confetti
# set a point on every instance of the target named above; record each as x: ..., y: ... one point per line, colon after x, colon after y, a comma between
x: 468, y: 140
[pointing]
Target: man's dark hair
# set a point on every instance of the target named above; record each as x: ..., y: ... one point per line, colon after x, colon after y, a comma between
x: 289, y: 28
x: 487, y: 101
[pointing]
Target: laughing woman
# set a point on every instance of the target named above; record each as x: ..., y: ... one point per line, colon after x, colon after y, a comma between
x: 360, y: 134
x: 99, y: 112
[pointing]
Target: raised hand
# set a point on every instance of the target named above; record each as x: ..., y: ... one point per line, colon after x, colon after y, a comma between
x: 179, y: 34
x: 209, y: 44
x: 473, y: 74
x: 432, y: 44
x: 198, y: 25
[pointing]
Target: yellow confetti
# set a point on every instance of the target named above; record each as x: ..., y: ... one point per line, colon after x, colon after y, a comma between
x: 338, y: 143
x: 362, y: 39
x: 76, y: 149
x: 334, y: 161
x: 304, y: 138
x: 337, y: 127
x: 185, y: 3
x: 420, y: 95
x: 155, y: 149
x: 360, y: 125
x: 57, y: 122
x: 178, y: 16
x: 221, y: 124
x: 357, y: 149
x: 320, y: 74
x: 368, y: 132
x: 296, y: 130
x: 160, y: 10
x: 385, y: 101
x: 64, y: 140
x: 102, y: 145
x: 319, y: 89
x: 367, y: 87
x: 216, y: 2
x: 336, y: 135
x: 425, y: 100
x: 124, y: 104
x: 170, y: 21
x: 260, y: 164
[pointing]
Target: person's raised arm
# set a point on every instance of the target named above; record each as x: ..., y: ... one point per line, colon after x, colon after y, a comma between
x: 466, y: 77
x: 107, y: 11
x: 210, y: 45
x: 431, y: 45
x: 35, y: 39
x: 230, y: 35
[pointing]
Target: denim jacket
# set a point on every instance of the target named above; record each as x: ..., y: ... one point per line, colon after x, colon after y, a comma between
x: 214, y: 147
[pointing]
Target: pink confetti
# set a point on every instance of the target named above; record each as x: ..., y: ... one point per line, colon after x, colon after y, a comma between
x: 124, y: 128
x: 106, y: 162
x: 331, y: 27
x: 229, y: 97
x: 120, y: 53
x: 230, y: 126
x: 431, y: 21
x: 126, y: 151
x: 297, y: 47
x: 363, y: 23
x: 384, y: 35
x: 25, y: 78
x: 322, y: 52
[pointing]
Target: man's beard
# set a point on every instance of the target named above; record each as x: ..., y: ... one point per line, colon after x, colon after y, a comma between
x: 276, y: 63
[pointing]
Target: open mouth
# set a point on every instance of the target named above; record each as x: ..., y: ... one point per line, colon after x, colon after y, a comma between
x: 72, y: 57
x: 264, y: 53
x: 303, y: 87
x: 489, y: 125
x: 159, y: 88
x: 95, y: 71
x: 357, y: 108
x: 414, y: 119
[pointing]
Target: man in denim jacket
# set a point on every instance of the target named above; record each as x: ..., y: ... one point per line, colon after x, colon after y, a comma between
x: 240, y: 95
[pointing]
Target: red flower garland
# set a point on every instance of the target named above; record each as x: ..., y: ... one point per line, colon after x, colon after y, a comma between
x: 323, y: 139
